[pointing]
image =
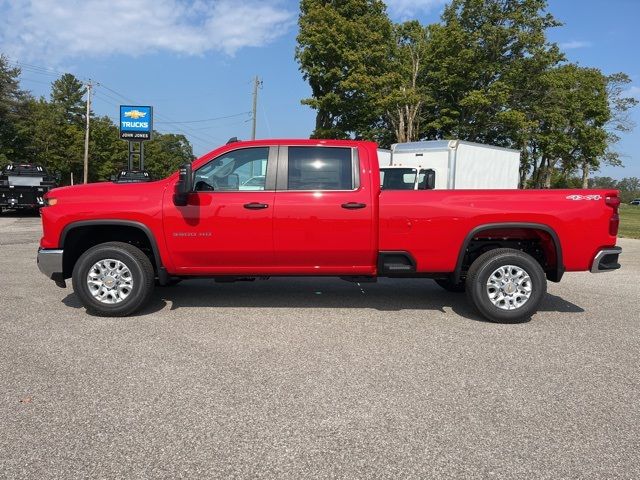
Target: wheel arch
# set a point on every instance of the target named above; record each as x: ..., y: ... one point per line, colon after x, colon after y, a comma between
x: 555, y: 274
x: 73, y: 229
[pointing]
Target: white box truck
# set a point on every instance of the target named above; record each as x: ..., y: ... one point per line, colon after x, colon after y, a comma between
x: 456, y: 164
x: 384, y: 157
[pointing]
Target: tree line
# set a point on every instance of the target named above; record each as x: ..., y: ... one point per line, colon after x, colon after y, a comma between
x: 486, y: 72
x: 51, y: 132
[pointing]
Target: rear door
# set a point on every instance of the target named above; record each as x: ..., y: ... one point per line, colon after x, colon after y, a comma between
x: 324, y: 212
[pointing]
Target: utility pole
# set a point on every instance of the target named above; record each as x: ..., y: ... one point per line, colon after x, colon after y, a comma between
x: 256, y: 84
x: 86, y: 134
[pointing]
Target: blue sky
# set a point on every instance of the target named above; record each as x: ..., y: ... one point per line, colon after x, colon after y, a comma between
x: 194, y: 60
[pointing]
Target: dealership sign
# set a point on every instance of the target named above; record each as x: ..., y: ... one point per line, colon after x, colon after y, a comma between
x: 136, y: 123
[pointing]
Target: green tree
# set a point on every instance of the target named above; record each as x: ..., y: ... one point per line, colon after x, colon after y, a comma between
x: 620, y: 105
x: 51, y: 133
x: 629, y: 184
x: 52, y: 142
x: 603, y: 182
x: 67, y: 93
x: 12, y: 109
x: 165, y: 153
x: 485, y: 62
x: 573, y: 117
x: 108, y: 154
x: 405, y: 94
x: 343, y: 50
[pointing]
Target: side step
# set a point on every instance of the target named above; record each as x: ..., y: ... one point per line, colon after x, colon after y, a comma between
x: 396, y: 264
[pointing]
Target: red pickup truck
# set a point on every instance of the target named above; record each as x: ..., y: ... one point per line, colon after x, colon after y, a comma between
x: 315, y: 208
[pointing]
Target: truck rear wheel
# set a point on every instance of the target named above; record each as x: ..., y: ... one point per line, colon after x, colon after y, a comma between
x: 113, y: 279
x: 506, y: 285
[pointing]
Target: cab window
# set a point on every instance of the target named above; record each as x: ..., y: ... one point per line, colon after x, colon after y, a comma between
x: 238, y: 170
x: 320, y: 168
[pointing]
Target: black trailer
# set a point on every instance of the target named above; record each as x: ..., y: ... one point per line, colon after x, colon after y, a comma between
x: 23, y: 185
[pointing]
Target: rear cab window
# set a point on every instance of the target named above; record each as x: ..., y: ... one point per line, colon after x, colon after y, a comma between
x: 320, y: 168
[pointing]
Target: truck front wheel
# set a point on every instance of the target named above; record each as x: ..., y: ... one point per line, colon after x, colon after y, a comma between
x: 506, y: 285
x: 113, y: 279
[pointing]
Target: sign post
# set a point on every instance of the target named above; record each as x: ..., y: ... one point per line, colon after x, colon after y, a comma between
x: 136, y: 126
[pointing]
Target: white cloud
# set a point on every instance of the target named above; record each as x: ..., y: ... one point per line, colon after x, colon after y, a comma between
x: 573, y: 44
x: 58, y: 29
x: 405, y: 9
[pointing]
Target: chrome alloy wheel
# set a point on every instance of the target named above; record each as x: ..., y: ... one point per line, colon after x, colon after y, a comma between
x: 509, y: 287
x: 110, y: 281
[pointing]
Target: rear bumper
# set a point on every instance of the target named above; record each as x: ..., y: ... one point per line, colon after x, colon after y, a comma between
x: 50, y: 263
x: 16, y: 198
x: 606, y: 260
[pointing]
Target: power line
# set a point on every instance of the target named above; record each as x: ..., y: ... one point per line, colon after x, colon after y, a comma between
x: 212, y: 127
x: 266, y: 119
x: 167, y: 120
x: 210, y: 119
x: 53, y: 73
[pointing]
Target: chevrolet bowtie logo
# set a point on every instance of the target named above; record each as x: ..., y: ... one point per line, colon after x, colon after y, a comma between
x: 135, y: 114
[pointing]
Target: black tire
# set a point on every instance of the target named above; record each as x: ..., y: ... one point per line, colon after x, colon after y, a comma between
x: 485, y: 265
x: 449, y: 286
x: 141, y: 272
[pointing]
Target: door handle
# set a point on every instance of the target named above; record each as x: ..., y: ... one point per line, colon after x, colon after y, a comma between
x: 353, y: 205
x: 256, y: 206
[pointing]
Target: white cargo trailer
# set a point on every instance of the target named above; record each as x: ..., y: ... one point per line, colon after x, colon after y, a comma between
x: 461, y: 165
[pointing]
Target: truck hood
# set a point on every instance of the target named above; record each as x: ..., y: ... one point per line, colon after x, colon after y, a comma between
x: 109, y: 200
x: 107, y: 191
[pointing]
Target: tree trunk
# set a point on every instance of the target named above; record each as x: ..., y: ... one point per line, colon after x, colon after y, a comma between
x: 548, y: 172
x: 585, y: 175
x: 323, y: 122
x: 539, y: 172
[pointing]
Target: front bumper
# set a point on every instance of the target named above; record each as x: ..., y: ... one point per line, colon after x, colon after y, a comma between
x: 50, y: 263
x: 606, y: 260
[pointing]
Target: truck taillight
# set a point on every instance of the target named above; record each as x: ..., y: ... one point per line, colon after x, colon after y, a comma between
x: 614, y: 221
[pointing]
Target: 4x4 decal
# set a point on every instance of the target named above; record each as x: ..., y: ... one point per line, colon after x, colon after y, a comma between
x: 584, y: 197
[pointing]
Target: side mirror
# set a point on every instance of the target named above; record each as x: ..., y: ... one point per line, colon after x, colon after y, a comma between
x: 184, y: 186
x: 429, y: 181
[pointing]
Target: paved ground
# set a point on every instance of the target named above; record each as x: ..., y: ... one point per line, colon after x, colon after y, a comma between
x: 316, y: 379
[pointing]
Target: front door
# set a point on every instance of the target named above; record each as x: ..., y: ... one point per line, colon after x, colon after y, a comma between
x: 227, y: 226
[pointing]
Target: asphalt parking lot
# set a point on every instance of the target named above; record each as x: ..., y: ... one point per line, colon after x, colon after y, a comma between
x: 316, y: 378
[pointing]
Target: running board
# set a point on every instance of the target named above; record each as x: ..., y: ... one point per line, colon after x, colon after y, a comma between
x: 396, y: 263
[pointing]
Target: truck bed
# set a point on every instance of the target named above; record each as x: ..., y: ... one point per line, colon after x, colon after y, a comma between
x: 434, y: 225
